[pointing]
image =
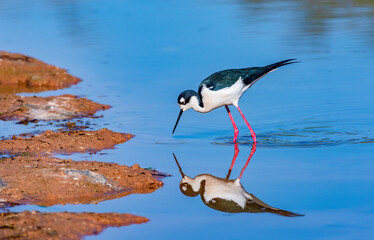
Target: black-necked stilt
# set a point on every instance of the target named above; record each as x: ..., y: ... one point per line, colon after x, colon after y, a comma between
x: 225, y: 88
x: 226, y: 195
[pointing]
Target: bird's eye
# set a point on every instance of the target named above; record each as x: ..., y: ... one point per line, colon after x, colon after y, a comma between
x: 182, y: 101
x: 184, y: 186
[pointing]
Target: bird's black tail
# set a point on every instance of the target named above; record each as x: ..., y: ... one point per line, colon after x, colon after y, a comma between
x: 255, y: 73
x: 280, y: 64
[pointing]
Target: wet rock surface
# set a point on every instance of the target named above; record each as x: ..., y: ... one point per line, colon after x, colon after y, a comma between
x: 63, y: 142
x: 21, y: 73
x: 32, y: 109
x: 29, y: 174
x: 61, y: 225
x: 50, y: 181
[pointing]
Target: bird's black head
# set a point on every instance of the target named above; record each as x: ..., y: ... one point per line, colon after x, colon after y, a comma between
x: 184, y: 103
x: 185, y: 97
x: 187, y: 189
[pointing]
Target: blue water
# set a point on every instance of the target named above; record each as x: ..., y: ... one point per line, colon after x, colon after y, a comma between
x: 314, y: 119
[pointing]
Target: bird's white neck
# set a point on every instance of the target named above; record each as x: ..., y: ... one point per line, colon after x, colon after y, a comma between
x: 194, y: 103
x: 194, y: 182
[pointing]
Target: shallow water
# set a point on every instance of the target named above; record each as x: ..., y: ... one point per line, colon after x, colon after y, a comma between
x: 314, y: 119
x: 308, y: 134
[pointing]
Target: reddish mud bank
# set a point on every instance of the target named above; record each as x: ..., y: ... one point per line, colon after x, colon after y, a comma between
x: 63, y: 142
x: 61, y: 225
x: 20, y: 73
x: 32, y: 109
x: 50, y: 181
x: 30, y: 175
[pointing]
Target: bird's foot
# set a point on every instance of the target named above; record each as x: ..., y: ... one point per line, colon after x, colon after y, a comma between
x: 253, y: 135
x: 236, y: 133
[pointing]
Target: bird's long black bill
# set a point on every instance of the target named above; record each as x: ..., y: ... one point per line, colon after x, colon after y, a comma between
x: 180, y: 114
x: 179, y: 166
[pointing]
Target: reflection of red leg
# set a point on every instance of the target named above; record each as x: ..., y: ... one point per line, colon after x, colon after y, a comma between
x: 233, y: 160
x: 236, y: 131
x: 250, y: 129
x: 253, y: 150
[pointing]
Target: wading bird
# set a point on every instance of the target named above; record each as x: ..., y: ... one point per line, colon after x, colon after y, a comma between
x: 225, y: 88
x: 227, y: 195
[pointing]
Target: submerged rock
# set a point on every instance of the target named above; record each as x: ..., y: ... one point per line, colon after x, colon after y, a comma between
x: 32, y: 109
x: 63, y: 142
x: 21, y: 73
x: 61, y: 225
x: 50, y: 181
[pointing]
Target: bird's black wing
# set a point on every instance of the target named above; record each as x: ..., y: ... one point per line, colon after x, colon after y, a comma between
x: 224, y: 205
x: 257, y: 206
x: 255, y: 73
x: 222, y: 79
x: 226, y: 78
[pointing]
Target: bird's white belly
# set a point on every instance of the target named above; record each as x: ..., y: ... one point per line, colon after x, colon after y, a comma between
x: 226, y: 96
x: 224, y: 190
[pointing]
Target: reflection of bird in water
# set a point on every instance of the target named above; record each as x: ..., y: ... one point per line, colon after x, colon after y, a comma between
x: 225, y: 88
x: 226, y: 195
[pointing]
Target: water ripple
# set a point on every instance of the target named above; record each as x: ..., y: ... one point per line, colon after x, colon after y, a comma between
x: 308, y: 135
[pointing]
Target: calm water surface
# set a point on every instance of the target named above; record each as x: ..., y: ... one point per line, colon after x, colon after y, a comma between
x: 314, y: 120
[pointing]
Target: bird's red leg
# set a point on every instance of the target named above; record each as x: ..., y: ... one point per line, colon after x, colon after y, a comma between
x: 236, y: 131
x: 250, y: 129
x: 253, y: 150
x: 233, y: 160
